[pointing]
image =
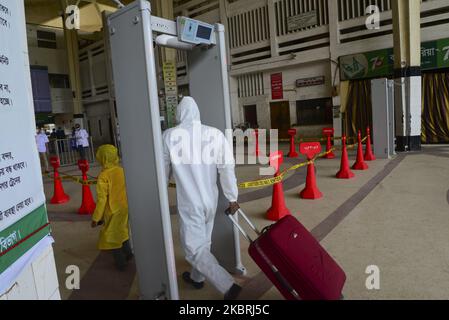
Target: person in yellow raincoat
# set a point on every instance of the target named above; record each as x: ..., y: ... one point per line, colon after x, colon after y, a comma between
x: 112, y: 207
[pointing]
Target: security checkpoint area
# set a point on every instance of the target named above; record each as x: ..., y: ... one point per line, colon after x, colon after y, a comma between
x: 214, y: 157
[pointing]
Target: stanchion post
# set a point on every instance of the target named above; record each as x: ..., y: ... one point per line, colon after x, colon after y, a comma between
x: 311, y: 191
x: 88, y: 203
x: 256, y: 132
x: 329, y: 133
x: 59, y: 195
x: 369, y: 155
x: 360, y: 163
x: 292, y: 153
x: 345, y: 172
x: 278, y: 208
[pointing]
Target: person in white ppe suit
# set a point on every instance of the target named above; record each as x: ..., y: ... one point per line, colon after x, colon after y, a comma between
x: 197, y: 154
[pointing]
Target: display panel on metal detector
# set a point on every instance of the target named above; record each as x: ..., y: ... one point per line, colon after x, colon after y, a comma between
x: 194, y: 31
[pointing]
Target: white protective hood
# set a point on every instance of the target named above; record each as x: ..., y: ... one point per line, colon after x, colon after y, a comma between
x: 187, y: 112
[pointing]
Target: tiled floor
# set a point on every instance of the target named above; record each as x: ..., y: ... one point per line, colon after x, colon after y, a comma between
x: 394, y: 216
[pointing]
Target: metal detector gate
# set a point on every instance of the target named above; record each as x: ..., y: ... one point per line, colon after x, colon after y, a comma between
x: 133, y: 34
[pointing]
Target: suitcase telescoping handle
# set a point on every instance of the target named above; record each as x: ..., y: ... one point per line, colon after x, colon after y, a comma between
x: 273, y: 268
x: 237, y: 225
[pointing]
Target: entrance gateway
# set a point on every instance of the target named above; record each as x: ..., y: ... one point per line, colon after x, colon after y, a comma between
x: 133, y: 33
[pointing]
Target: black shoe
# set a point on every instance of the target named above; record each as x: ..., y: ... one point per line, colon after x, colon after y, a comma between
x: 233, y: 293
x: 187, y: 279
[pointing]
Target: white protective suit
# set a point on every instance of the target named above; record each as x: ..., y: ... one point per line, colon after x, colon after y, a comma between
x: 196, y: 187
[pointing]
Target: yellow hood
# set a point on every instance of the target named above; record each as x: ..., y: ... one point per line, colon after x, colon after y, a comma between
x: 107, y: 156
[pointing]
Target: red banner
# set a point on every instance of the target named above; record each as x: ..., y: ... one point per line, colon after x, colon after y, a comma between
x: 277, y: 88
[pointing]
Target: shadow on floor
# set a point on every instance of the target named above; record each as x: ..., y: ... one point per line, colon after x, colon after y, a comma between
x: 103, y: 281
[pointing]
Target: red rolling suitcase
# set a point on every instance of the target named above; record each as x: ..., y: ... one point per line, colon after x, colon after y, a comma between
x: 294, y: 261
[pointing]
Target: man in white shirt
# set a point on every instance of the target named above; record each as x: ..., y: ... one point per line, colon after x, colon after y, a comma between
x: 42, y: 143
x: 82, y: 141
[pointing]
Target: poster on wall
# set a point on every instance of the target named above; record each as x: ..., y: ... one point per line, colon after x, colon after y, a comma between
x: 277, y: 88
x: 380, y: 63
x: 23, y: 217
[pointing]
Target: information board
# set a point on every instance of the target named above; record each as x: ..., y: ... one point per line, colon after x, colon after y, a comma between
x: 23, y: 217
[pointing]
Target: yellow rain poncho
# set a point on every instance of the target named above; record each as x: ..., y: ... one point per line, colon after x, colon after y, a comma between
x: 112, y: 203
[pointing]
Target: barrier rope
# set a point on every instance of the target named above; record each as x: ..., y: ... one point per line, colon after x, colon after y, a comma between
x: 76, y: 179
x: 242, y: 185
x: 281, y: 176
x: 317, y: 139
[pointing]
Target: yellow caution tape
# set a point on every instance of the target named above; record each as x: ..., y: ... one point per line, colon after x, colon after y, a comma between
x: 243, y: 185
x: 75, y: 179
x: 271, y: 181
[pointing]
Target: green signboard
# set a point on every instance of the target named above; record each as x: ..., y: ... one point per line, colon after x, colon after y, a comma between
x: 380, y: 63
x: 21, y: 236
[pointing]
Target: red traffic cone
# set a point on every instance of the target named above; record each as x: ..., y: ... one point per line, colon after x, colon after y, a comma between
x: 59, y: 195
x: 329, y: 132
x: 345, y: 172
x: 310, y: 150
x: 278, y: 208
x: 360, y: 163
x: 292, y: 153
x: 369, y: 155
x: 311, y: 190
x: 88, y: 204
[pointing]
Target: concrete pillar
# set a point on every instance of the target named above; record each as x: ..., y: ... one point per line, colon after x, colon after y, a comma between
x: 233, y: 83
x: 71, y: 40
x: 224, y: 9
x: 165, y: 10
x: 235, y: 108
x: 272, y: 26
x: 407, y: 74
x: 334, y: 41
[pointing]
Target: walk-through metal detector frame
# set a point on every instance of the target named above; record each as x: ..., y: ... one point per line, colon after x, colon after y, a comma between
x: 131, y: 31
